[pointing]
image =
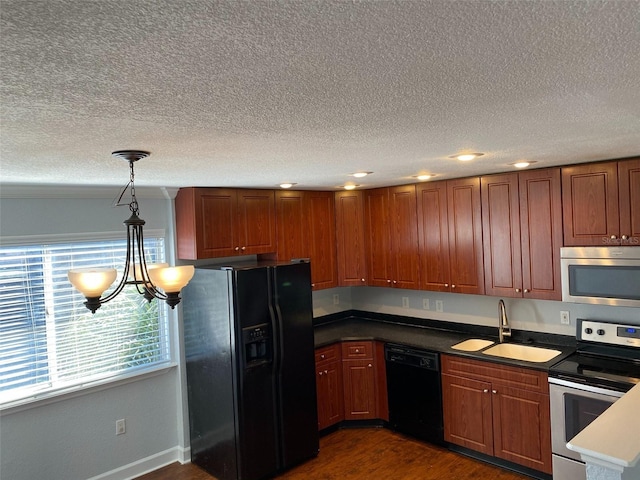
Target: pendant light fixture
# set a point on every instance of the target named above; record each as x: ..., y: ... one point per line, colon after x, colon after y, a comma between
x: 153, y: 280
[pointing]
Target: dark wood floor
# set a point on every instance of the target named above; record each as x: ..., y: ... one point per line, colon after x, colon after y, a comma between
x: 371, y: 454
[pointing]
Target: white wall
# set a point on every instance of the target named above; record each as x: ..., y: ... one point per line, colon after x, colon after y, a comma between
x: 74, y: 437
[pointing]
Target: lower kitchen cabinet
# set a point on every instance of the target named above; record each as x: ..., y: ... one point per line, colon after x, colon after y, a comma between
x: 329, y: 386
x: 497, y: 410
x: 359, y: 380
x: 351, y: 382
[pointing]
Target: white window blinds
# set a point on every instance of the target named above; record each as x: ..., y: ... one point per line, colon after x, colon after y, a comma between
x: 49, y: 341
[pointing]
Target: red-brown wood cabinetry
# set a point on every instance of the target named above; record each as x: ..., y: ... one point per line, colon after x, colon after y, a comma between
x: 522, y: 234
x: 350, y: 238
x: 364, y: 378
x: 306, y: 229
x: 450, y: 236
x: 223, y: 222
x: 392, y: 234
x: 329, y: 385
x: 601, y: 203
x: 498, y: 410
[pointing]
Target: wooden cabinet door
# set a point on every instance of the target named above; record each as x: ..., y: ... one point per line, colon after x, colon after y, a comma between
x: 629, y: 192
x: 330, y: 394
x: 359, y: 389
x: 541, y: 233
x: 291, y: 223
x: 205, y: 219
x: 433, y: 236
x: 403, y: 227
x: 467, y: 413
x: 378, y: 238
x: 256, y: 221
x: 590, y: 204
x: 521, y: 427
x: 321, y: 239
x: 501, y: 235
x: 465, y: 235
x: 350, y: 238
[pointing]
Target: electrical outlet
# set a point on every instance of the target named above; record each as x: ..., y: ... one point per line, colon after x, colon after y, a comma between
x: 405, y: 302
x: 425, y: 303
x: 439, y: 306
x: 336, y: 299
x: 121, y: 427
x: 564, y: 317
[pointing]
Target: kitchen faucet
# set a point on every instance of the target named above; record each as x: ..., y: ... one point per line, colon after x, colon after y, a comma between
x: 504, y: 330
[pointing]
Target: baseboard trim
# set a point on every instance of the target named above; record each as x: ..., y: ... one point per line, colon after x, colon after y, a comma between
x: 148, y: 464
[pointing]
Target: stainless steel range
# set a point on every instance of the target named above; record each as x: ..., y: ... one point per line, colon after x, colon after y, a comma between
x: 582, y: 386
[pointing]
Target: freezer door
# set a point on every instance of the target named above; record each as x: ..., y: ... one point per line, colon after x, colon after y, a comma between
x: 257, y: 438
x: 294, y: 359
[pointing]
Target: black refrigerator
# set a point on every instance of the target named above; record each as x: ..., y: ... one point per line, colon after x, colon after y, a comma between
x: 249, y: 352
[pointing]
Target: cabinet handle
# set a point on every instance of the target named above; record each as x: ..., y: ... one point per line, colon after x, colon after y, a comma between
x: 394, y: 282
x: 625, y: 237
x: 320, y: 373
x: 526, y: 290
x: 326, y: 372
x: 517, y: 290
x: 446, y: 285
x: 453, y: 285
x: 494, y: 391
x: 322, y: 356
x: 369, y: 365
x: 357, y: 351
x: 613, y: 237
x: 362, y: 279
x: 486, y: 390
x: 388, y: 281
x: 237, y: 248
x: 243, y: 248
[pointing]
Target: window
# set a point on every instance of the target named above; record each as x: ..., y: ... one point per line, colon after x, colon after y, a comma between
x: 50, y: 342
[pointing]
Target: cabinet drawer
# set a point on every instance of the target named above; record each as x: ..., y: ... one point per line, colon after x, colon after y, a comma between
x: 328, y: 354
x: 357, y: 350
x: 495, y: 373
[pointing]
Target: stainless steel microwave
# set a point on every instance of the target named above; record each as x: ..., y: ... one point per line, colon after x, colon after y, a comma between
x: 601, y: 275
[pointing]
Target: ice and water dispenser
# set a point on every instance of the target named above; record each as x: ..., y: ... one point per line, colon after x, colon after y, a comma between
x: 257, y: 345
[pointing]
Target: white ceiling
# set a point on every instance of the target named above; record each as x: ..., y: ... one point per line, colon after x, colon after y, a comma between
x: 254, y: 93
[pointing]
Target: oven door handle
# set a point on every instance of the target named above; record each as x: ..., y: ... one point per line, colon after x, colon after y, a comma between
x: 587, y: 387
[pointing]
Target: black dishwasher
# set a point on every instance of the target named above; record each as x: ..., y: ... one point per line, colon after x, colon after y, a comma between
x: 414, y: 392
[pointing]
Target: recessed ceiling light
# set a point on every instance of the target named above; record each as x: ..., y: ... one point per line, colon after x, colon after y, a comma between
x: 522, y: 164
x: 424, y: 176
x: 350, y: 186
x: 361, y: 174
x: 465, y: 157
x: 287, y: 185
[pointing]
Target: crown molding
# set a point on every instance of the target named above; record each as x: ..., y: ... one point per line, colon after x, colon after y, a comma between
x: 75, y: 191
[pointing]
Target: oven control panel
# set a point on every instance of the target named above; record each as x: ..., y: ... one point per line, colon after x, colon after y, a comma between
x: 609, y: 333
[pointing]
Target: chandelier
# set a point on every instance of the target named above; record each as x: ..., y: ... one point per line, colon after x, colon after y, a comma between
x: 153, y: 280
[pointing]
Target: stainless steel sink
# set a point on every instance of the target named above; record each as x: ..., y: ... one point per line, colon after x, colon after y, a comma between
x: 472, y: 345
x: 527, y: 353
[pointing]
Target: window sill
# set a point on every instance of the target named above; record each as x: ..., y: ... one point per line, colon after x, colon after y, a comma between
x: 46, y: 398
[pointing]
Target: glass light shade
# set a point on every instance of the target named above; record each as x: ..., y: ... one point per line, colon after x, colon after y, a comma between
x: 135, y: 268
x: 92, y: 282
x: 171, y: 279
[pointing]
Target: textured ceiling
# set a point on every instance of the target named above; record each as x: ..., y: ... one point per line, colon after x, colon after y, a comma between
x: 254, y: 93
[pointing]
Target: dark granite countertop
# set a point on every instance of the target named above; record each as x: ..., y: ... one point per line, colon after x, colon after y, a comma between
x: 432, y: 335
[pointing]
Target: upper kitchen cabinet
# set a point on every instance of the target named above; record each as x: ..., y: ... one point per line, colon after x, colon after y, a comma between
x: 392, y: 237
x: 522, y: 234
x: 350, y: 238
x: 601, y: 203
x: 450, y: 236
x: 306, y: 229
x: 222, y: 222
x: 322, y: 239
